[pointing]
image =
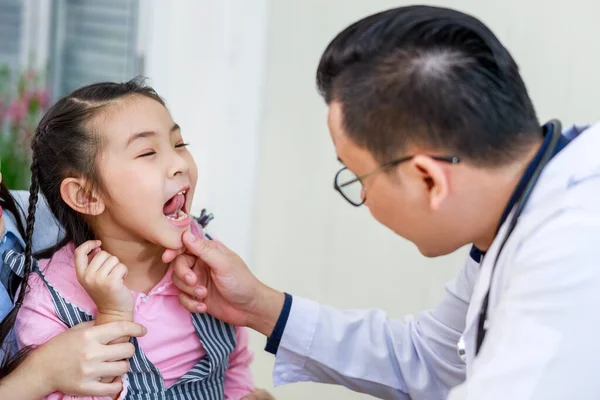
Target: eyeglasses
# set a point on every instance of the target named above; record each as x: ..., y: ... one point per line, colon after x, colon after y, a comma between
x: 351, y: 186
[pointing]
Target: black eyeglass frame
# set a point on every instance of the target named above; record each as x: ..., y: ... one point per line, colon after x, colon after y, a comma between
x: 338, y: 187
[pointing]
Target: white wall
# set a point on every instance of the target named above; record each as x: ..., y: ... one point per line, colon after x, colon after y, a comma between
x: 206, y: 59
x: 307, y: 240
x: 239, y: 79
x: 36, y: 29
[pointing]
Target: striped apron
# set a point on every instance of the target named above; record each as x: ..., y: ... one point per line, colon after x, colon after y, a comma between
x: 205, y: 381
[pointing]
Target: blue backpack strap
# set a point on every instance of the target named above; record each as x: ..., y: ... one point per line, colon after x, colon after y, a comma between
x: 69, y: 313
x: 144, y: 378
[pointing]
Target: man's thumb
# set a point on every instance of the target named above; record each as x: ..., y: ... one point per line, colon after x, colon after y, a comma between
x: 202, y: 248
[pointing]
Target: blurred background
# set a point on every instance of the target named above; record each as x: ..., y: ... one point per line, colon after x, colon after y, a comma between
x: 238, y: 76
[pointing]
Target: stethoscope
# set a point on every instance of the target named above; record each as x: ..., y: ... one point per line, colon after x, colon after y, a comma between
x: 546, y: 156
x: 203, y: 221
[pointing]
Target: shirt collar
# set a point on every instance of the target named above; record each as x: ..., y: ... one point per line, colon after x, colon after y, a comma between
x: 564, y: 140
x: 10, y: 226
x: 165, y: 287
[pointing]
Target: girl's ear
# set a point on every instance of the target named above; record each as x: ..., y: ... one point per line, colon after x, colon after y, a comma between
x: 76, y: 193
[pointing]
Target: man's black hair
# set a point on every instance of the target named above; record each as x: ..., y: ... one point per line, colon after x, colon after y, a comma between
x: 431, y: 77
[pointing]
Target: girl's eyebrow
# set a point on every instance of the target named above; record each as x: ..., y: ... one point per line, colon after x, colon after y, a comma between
x: 140, y: 135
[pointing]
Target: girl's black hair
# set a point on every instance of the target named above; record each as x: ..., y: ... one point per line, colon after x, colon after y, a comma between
x: 65, y: 144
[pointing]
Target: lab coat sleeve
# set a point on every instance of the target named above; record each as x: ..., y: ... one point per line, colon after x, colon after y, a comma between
x: 367, y: 352
x: 542, y: 341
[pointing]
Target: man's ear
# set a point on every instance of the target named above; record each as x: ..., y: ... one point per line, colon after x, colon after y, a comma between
x: 76, y: 193
x: 434, y: 177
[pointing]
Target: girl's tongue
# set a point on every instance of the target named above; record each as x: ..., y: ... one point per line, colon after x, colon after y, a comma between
x: 174, y: 205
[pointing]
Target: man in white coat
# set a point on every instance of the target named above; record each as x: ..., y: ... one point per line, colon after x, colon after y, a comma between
x: 439, y: 139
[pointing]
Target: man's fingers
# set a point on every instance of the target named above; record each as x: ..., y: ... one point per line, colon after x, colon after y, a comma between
x: 181, y: 285
x: 114, y: 330
x: 259, y: 394
x: 191, y: 304
x: 169, y: 254
x: 263, y: 394
x: 182, y: 268
x: 198, y: 246
x: 189, y: 273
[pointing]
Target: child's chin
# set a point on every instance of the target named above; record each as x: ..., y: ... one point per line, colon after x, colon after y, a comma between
x: 172, y: 241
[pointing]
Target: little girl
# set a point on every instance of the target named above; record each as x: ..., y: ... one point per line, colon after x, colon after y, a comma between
x: 116, y: 173
x: 31, y: 375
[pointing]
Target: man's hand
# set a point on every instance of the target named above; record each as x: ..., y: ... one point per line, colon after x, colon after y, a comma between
x: 214, y: 279
x: 259, y: 394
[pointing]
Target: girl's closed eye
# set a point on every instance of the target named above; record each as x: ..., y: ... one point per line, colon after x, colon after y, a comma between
x: 147, y: 154
x: 152, y: 152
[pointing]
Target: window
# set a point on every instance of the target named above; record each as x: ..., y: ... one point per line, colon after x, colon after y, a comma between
x: 11, y: 33
x: 93, y: 41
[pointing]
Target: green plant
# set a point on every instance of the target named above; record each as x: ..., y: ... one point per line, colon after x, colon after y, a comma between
x: 23, y: 100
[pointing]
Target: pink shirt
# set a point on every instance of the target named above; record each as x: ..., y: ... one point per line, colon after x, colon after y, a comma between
x: 171, y: 343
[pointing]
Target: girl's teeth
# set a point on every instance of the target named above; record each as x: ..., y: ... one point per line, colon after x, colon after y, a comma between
x: 179, y: 217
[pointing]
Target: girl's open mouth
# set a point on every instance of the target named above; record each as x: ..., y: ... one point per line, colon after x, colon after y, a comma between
x: 174, y: 208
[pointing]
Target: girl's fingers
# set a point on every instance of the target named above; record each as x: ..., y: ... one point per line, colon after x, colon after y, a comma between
x: 97, y: 262
x: 118, y: 273
x: 107, y: 267
x: 81, y: 255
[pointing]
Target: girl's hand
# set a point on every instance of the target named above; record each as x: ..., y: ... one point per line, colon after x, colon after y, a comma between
x: 102, y: 276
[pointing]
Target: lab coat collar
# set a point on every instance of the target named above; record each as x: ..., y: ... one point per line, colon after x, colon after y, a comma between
x: 576, y: 162
x: 569, y: 134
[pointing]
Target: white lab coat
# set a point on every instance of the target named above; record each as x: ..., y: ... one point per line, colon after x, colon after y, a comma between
x: 543, y: 337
